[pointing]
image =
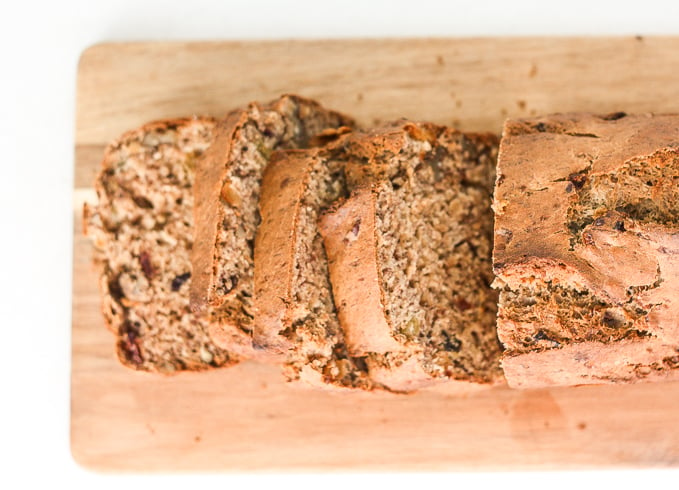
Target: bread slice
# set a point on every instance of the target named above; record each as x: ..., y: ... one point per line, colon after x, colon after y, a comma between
x: 142, y: 231
x: 295, y: 315
x: 409, y: 256
x: 587, y: 249
x: 227, y: 192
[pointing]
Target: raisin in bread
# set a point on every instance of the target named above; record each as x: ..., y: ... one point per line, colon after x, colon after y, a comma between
x: 409, y: 256
x: 587, y: 249
x: 227, y: 193
x: 142, y: 231
x: 295, y: 315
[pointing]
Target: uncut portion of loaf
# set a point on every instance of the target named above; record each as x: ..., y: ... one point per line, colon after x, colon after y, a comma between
x: 142, y: 233
x: 587, y: 249
x: 227, y: 193
x: 409, y: 255
x: 295, y: 315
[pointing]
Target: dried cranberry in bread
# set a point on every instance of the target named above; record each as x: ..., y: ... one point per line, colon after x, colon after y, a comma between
x: 409, y: 256
x: 227, y: 192
x: 142, y: 231
x: 587, y: 249
x: 295, y: 316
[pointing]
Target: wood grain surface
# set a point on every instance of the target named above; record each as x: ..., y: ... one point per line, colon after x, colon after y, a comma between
x: 246, y: 418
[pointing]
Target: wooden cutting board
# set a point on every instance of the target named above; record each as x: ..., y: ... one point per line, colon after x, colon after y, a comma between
x: 245, y: 417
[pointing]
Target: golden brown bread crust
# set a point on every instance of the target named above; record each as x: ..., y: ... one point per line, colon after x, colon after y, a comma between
x: 283, y: 184
x: 348, y: 232
x: 586, y: 244
x: 585, y: 143
x: 593, y: 363
x: 368, y: 153
x: 210, y: 175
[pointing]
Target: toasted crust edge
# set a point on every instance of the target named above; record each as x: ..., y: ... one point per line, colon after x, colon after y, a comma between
x: 283, y: 184
x: 348, y: 231
x: 210, y: 173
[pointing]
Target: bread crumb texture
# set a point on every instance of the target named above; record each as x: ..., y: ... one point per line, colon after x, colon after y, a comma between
x: 232, y: 178
x: 142, y: 233
x: 416, y: 234
x: 295, y: 311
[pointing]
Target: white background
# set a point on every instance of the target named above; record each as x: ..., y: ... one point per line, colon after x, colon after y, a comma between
x: 41, y: 42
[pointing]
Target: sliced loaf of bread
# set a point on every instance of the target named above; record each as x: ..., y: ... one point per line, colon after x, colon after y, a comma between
x: 295, y: 316
x: 142, y: 233
x: 410, y: 256
x: 227, y: 192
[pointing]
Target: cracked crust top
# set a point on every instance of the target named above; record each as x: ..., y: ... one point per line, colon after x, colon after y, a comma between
x: 544, y: 162
x: 587, y: 247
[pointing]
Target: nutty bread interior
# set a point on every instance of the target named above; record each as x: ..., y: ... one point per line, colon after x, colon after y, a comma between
x: 418, y: 228
x: 227, y: 194
x: 142, y: 231
x: 295, y: 313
